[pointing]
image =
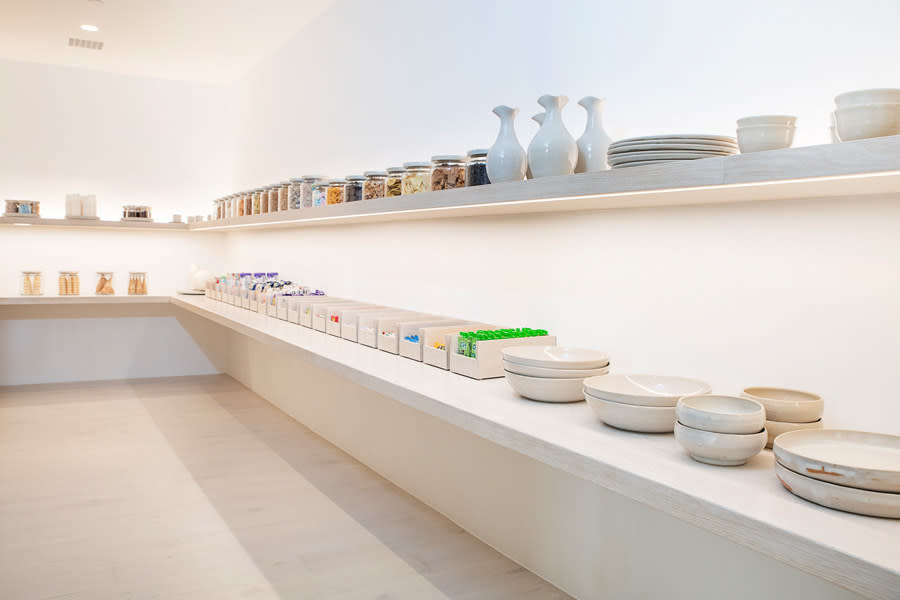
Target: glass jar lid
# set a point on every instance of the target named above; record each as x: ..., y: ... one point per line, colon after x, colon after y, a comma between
x: 477, y: 153
x: 374, y: 174
x: 416, y: 166
x: 395, y: 170
x: 447, y: 158
x: 313, y: 177
x: 356, y: 177
x: 284, y: 183
x: 337, y: 182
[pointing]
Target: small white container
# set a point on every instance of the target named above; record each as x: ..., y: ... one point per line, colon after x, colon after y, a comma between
x: 488, y: 362
x: 786, y: 405
x: 389, y: 329
x: 867, y: 121
x: 761, y: 138
x: 870, y: 96
x: 544, y: 389
x: 31, y: 283
x: 722, y: 414
x: 720, y: 449
x: 351, y: 317
x: 632, y: 417
x: 308, y: 303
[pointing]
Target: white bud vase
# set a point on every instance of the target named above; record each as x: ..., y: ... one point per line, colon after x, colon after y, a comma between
x: 594, y: 142
x: 553, y: 150
x: 506, y: 159
x: 539, y: 119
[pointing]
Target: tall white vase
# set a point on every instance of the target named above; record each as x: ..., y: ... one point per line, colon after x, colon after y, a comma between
x: 594, y: 142
x: 506, y: 160
x: 553, y: 150
x: 539, y: 119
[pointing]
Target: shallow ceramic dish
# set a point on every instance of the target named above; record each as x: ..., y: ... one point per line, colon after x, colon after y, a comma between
x: 677, y: 136
x: 869, y: 461
x: 615, y: 159
x: 766, y: 120
x: 644, y: 419
x: 691, y: 146
x: 786, y: 405
x: 644, y: 163
x: 722, y: 414
x: 720, y: 449
x: 848, y: 499
x: 776, y: 428
x: 543, y: 389
x: 761, y: 138
x: 552, y: 373
x: 867, y: 121
x: 644, y: 390
x: 872, y: 96
x: 555, y: 357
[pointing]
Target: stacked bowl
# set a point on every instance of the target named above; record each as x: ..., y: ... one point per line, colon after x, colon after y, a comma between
x: 721, y: 430
x: 644, y: 403
x: 552, y: 373
x: 654, y: 149
x: 787, y: 410
x: 865, y: 114
x: 765, y: 132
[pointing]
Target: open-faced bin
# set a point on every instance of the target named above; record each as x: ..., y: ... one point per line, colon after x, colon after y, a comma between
x: 488, y: 362
x: 320, y: 312
x: 389, y: 329
x: 337, y: 315
x: 350, y: 319
x: 432, y: 346
x: 308, y: 303
x: 368, y: 327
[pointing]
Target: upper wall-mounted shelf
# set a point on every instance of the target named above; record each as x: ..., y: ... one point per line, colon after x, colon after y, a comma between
x: 864, y: 167
x: 92, y: 224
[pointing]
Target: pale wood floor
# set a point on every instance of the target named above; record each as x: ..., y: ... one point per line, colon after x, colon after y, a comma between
x: 195, y: 488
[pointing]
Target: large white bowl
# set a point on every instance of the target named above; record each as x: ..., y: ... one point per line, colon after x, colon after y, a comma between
x: 545, y: 389
x: 644, y: 390
x: 645, y: 419
x: 787, y: 406
x: 722, y: 414
x: 867, y: 121
x: 776, y: 428
x: 767, y: 120
x: 555, y: 357
x: 552, y: 373
x: 721, y: 449
x: 872, y: 96
x: 760, y: 138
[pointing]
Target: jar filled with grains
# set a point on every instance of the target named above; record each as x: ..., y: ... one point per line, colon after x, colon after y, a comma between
x: 393, y: 184
x: 353, y: 189
x: 417, y: 178
x: 476, y: 167
x: 257, y: 201
x: 263, y: 200
x: 273, y: 198
x: 320, y: 192
x: 448, y: 171
x: 373, y: 186
x: 248, y: 203
x: 295, y: 194
x: 335, y: 194
x: 284, y: 194
x: 306, y: 189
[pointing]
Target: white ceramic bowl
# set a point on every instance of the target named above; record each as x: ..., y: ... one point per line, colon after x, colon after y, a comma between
x: 644, y: 390
x: 776, y: 428
x: 872, y: 96
x: 645, y: 419
x: 767, y: 120
x: 867, y: 121
x: 721, y: 449
x: 545, y: 389
x: 759, y: 138
x: 787, y: 406
x: 722, y: 414
x: 555, y: 357
x: 552, y: 373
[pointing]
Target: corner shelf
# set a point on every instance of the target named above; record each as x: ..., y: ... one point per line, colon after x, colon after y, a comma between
x: 91, y: 224
x: 859, y: 168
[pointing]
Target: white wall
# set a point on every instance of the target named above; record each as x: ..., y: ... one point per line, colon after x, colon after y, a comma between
x: 129, y: 140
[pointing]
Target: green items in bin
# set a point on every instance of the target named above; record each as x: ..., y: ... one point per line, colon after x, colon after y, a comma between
x: 468, y: 339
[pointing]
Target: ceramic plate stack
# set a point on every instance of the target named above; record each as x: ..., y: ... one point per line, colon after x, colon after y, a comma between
x: 853, y: 471
x: 655, y: 149
x: 552, y: 373
x: 643, y: 403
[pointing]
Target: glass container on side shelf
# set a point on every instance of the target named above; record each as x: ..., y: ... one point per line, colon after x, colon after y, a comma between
x: 131, y: 212
x: 307, y: 185
x: 417, y: 178
x: 30, y: 283
x: 104, y: 284
x: 476, y: 167
x: 393, y: 184
x: 137, y: 283
x: 273, y: 198
x: 335, y: 194
x: 448, y: 171
x: 284, y: 195
x: 353, y: 189
x: 295, y: 194
x: 69, y: 283
x: 373, y: 186
x: 320, y: 192
x: 23, y: 208
x: 257, y: 201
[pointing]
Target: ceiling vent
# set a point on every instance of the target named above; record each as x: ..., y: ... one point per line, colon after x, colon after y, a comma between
x: 89, y: 44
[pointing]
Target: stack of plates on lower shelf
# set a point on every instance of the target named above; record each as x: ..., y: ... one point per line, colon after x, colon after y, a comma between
x: 655, y: 149
x: 787, y: 410
x: 853, y: 471
x: 643, y: 403
x: 552, y: 373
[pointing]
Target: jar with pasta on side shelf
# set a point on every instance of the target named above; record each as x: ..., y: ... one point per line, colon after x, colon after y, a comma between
x: 284, y: 195
x: 31, y: 283
x: 393, y: 183
x: 417, y: 178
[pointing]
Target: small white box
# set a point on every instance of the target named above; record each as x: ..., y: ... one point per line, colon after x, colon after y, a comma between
x: 336, y: 314
x: 488, y: 361
x: 320, y: 313
x: 389, y: 329
x: 430, y: 336
x: 307, y: 304
x: 367, y: 328
x: 350, y: 319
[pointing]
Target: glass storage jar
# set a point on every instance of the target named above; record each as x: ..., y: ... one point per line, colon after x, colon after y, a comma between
x: 103, y: 286
x: 137, y: 283
x: 263, y: 200
x: 284, y: 194
x: 417, y: 178
x: 393, y: 184
x: 335, y: 191
x: 353, y: 189
x: 257, y: 201
x: 448, y: 171
x: 30, y: 283
x: 295, y: 194
x: 476, y: 167
x: 373, y: 186
x: 248, y: 203
x: 69, y: 283
x: 28, y: 208
x: 320, y: 192
x: 273, y: 198
x: 307, y: 182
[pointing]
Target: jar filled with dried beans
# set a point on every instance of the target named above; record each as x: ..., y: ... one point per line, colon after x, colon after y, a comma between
x: 417, y: 178
x: 273, y: 198
x: 257, y: 201
x: 393, y: 183
x: 353, y: 189
x: 476, y: 167
x: 373, y: 186
x: 335, y: 194
x: 448, y: 171
x: 284, y: 194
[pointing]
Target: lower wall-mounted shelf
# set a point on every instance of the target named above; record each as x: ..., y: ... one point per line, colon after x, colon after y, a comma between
x: 91, y: 224
x: 94, y: 300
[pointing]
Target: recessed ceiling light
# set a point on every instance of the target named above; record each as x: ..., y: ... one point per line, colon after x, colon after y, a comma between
x: 90, y: 28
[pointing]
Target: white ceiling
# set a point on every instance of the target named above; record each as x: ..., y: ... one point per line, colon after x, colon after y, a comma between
x: 209, y: 41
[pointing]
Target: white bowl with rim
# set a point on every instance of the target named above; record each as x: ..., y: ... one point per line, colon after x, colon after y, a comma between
x: 867, y: 121
x: 545, y: 389
x: 630, y: 417
x: 555, y: 357
x: 761, y: 138
x: 871, y: 96
x: 722, y: 414
x: 645, y: 390
x: 720, y: 449
x: 552, y: 373
x: 787, y: 120
x: 787, y: 405
x: 776, y: 428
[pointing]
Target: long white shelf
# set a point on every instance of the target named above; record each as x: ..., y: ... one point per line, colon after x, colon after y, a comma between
x: 69, y: 300
x: 864, y: 167
x: 744, y: 504
x: 92, y: 224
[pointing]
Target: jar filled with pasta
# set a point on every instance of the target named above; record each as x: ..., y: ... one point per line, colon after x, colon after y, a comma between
x: 393, y: 183
x: 417, y: 178
x: 137, y: 283
x: 103, y: 285
x: 69, y: 283
x: 31, y: 284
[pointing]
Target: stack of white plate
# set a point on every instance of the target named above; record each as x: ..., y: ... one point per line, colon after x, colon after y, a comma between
x: 853, y: 471
x: 552, y: 373
x: 787, y: 410
x: 654, y: 149
x: 643, y: 403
